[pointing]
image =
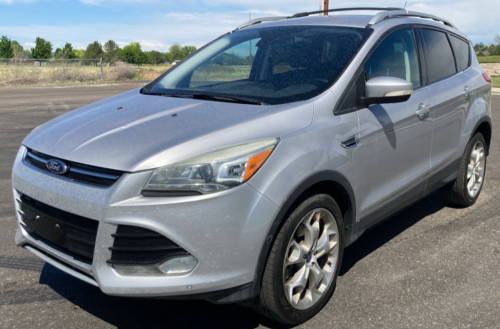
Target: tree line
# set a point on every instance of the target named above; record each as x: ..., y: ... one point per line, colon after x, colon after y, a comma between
x: 132, y: 53
x: 110, y: 52
x: 488, y: 50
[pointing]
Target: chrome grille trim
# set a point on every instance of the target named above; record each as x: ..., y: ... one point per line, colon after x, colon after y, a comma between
x: 76, y: 171
x: 36, y: 157
x: 95, y: 174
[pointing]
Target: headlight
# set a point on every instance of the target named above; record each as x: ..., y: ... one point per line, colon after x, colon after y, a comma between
x: 210, y: 172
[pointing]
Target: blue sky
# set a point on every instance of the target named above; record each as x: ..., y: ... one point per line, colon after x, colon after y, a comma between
x: 158, y: 24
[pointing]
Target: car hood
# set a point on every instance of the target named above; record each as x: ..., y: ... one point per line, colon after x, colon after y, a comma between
x: 132, y: 132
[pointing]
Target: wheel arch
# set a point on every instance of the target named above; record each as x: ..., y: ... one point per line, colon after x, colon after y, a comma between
x: 328, y: 182
x: 484, y: 127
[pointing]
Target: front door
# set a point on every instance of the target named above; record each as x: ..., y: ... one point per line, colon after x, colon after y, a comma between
x: 393, y: 153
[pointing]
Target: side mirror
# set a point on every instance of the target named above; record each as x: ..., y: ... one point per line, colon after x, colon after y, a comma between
x: 384, y: 90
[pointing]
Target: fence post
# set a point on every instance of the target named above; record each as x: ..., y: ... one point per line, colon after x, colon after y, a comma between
x: 101, y: 70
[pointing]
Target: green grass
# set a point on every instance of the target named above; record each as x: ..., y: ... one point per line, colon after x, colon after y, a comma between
x: 221, y: 73
x: 53, y: 74
x: 495, y: 81
x: 150, y: 67
x: 488, y: 59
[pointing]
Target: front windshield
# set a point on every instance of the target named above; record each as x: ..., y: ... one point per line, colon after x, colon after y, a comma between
x: 271, y: 65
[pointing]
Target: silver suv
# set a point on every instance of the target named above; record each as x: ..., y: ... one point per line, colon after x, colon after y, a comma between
x: 242, y: 173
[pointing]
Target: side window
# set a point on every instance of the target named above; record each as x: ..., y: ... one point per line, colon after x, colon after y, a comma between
x: 439, y: 56
x: 462, y: 52
x: 396, y: 57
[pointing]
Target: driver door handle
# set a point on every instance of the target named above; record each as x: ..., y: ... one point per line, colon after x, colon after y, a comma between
x: 350, y: 143
x: 423, y: 111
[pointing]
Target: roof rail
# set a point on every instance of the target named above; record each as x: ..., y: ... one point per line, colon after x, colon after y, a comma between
x: 388, y: 14
x: 277, y: 18
x: 345, y: 9
x: 384, y: 14
x: 260, y: 20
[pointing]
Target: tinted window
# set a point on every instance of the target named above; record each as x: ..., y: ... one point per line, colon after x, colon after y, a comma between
x: 439, y: 56
x: 462, y: 52
x: 233, y: 64
x: 396, y: 57
x: 273, y: 65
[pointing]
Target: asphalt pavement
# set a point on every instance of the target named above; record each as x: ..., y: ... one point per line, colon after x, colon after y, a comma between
x: 431, y: 266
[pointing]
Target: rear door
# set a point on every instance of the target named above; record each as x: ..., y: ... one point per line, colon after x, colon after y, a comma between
x: 447, y: 59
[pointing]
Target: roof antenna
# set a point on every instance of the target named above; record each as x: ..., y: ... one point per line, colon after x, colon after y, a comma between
x: 405, y: 4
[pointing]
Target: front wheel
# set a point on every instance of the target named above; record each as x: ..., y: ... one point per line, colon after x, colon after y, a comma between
x: 466, y: 188
x: 304, y: 262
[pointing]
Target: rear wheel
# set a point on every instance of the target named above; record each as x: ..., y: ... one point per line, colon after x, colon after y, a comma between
x: 304, y: 262
x: 467, y: 187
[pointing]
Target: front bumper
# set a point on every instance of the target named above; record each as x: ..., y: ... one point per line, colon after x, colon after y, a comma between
x: 224, y: 231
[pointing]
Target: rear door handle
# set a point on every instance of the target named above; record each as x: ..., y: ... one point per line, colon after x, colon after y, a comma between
x: 423, y: 111
x: 350, y: 143
x: 467, y: 93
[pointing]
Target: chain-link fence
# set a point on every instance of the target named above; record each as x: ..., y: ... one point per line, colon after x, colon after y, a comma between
x: 38, y: 71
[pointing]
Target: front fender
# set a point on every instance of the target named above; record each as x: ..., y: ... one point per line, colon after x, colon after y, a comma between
x: 301, y: 160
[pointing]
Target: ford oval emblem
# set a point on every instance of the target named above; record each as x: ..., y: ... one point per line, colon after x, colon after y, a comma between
x: 57, y: 167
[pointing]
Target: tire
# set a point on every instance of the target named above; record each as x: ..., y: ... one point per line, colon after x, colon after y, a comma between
x: 465, y: 190
x: 295, y: 291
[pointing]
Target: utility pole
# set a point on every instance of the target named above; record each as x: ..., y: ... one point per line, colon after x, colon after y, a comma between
x: 323, y: 5
x: 100, y: 64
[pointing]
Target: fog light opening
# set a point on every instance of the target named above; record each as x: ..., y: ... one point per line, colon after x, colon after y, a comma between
x: 179, y: 265
x: 174, y: 266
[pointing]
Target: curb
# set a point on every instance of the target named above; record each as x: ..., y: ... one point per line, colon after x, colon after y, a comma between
x: 495, y: 91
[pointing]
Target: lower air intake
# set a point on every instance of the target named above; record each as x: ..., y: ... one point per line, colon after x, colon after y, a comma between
x: 73, y: 233
x: 139, y: 246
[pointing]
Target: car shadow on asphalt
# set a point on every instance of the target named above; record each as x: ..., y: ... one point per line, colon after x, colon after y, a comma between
x: 125, y: 312
x: 387, y: 230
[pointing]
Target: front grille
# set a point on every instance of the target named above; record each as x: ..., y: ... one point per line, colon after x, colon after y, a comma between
x: 76, y: 171
x: 70, y: 232
x: 140, y: 246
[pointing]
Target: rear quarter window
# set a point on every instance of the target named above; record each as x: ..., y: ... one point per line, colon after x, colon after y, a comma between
x: 462, y: 52
x: 439, y: 56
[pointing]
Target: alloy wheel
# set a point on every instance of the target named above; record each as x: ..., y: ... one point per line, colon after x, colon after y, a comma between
x: 311, y: 259
x: 475, y: 169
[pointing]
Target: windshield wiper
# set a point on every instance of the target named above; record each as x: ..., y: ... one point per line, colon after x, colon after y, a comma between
x: 225, y: 98
x: 211, y: 97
